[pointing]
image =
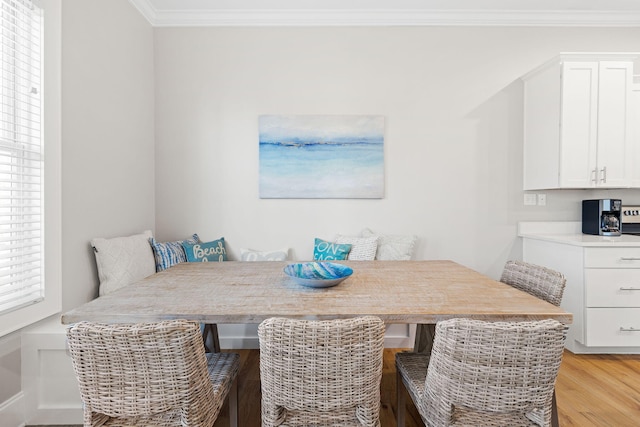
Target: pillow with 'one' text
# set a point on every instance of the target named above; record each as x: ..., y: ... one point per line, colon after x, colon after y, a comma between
x: 330, y: 251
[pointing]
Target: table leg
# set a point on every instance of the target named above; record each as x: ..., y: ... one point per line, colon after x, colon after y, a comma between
x: 211, y: 329
x: 425, y: 333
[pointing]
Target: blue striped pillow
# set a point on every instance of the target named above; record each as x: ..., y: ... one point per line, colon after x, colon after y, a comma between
x: 170, y: 253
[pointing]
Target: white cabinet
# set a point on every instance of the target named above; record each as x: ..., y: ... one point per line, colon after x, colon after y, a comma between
x: 612, y: 297
x: 578, y: 123
x: 635, y: 134
x: 602, y: 291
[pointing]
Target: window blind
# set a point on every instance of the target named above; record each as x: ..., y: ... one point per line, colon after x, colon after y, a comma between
x: 21, y: 160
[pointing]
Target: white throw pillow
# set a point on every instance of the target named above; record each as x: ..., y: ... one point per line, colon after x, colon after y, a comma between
x: 362, y: 248
x: 123, y: 260
x: 393, y: 247
x: 252, y: 255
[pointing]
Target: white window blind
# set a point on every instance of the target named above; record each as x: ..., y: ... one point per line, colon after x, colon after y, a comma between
x: 21, y: 160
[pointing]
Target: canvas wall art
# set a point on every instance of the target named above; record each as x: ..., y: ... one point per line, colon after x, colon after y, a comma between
x: 321, y: 156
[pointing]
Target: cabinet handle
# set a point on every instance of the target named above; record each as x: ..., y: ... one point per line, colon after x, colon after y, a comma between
x: 630, y: 329
x: 629, y: 258
x: 594, y: 176
x: 604, y: 175
x: 622, y: 288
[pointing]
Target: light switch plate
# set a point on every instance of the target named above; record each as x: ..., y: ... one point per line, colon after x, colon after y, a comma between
x: 530, y: 199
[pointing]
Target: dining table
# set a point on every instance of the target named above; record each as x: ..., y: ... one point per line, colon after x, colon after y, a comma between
x: 409, y: 292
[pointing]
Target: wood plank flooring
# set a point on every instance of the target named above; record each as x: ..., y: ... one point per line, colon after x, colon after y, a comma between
x: 592, y: 391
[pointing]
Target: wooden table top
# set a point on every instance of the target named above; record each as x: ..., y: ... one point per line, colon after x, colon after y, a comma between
x: 249, y: 292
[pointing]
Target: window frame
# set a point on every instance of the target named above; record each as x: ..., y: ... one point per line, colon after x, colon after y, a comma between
x: 11, y: 321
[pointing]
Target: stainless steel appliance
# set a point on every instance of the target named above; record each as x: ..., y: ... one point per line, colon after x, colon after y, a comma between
x: 630, y: 220
x: 601, y: 217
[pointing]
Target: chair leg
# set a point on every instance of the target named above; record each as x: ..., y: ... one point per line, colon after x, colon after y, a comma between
x: 400, y: 400
x: 233, y: 403
x: 554, y: 411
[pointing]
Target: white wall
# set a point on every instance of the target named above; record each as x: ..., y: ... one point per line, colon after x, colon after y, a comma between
x: 107, y: 134
x: 453, y: 145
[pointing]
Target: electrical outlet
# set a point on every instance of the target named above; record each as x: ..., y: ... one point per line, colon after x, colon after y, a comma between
x: 542, y: 200
x: 529, y: 199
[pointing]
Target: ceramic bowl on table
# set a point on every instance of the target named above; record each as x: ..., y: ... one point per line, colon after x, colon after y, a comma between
x: 318, y: 274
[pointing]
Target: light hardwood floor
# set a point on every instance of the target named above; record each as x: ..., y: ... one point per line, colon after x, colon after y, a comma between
x: 592, y: 391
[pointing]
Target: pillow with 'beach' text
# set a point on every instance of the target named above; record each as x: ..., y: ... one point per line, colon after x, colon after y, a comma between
x: 330, y: 251
x: 214, y: 251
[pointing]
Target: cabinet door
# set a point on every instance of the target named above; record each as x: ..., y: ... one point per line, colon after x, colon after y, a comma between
x: 613, y: 327
x: 579, y: 97
x: 614, y: 158
x: 612, y: 287
x: 635, y: 135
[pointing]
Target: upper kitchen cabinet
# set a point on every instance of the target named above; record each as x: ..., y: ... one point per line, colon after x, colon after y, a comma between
x: 578, y: 132
x: 635, y: 124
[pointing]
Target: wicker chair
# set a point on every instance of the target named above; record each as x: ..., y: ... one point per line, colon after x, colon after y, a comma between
x: 540, y: 282
x: 321, y: 373
x: 536, y: 280
x: 150, y: 374
x: 484, y: 374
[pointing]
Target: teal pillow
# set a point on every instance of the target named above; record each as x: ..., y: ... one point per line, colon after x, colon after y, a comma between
x: 205, y: 252
x: 330, y: 251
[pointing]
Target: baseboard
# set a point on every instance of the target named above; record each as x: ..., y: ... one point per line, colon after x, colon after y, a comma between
x: 57, y: 416
x: 12, y: 411
x: 576, y: 348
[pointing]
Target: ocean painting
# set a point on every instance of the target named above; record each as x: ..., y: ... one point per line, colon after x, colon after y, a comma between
x: 321, y: 157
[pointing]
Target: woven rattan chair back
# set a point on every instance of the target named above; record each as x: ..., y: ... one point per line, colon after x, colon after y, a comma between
x: 321, y: 373
x: 486, y: 374
x: 536, y: 280
x: 149, y: 374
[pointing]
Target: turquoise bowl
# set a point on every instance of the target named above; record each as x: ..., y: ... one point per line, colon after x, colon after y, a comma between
x: 318, y: 274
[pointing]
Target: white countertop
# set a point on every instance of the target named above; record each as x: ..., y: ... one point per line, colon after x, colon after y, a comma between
x: 570, y: 233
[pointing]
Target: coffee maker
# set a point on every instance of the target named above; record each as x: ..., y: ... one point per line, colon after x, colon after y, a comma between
x: 601, y: 217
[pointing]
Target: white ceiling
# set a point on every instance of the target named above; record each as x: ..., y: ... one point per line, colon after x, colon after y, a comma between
x: 594, y: 13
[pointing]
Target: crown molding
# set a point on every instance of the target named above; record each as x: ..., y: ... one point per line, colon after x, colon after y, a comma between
x: 385, y: 17
x: 146, y: 9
